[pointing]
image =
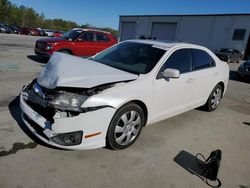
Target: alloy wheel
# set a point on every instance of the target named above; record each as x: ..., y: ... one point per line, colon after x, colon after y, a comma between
x: 215, y: 101
x: 127, y: 127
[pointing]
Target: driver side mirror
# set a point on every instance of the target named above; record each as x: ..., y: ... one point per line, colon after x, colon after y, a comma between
x: 171, y: 73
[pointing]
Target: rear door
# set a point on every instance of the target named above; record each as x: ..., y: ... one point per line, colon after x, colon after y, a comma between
x: 84, y: 45
x: 102, y: 42
x: 204, y: 68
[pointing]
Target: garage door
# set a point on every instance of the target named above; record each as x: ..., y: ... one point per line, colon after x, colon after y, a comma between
x: 128, y: 30
x: 164, y: 31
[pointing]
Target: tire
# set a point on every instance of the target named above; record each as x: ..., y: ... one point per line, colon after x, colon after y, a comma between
x: 66, y: 52
x: 125, y: 127
x: 214, y: 98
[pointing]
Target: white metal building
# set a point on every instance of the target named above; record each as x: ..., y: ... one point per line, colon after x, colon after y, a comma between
x: 213, y: 31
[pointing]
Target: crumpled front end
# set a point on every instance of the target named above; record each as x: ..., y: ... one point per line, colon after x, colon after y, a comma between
x: 64, y: 128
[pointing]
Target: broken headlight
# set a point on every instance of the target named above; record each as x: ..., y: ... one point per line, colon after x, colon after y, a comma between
x: 68, y: 101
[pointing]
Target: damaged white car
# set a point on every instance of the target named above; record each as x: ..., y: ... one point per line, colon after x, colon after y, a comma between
x: 106, y: 100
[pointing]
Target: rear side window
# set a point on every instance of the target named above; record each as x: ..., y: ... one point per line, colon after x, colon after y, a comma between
x: 179, y: 60
x: 201, y: 59
x: 101, y: 37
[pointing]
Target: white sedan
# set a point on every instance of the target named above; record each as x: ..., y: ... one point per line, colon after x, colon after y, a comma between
x: 107, y: 99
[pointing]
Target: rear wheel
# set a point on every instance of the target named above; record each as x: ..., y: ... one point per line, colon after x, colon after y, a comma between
x: 214, y: 98
x: 125, y: 127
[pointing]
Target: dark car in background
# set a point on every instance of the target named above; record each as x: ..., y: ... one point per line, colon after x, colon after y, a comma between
x: 4, y: 28
x: 229, y: 55
x: 14, y: 29
x: 244, y: 70
x: 78, y: 41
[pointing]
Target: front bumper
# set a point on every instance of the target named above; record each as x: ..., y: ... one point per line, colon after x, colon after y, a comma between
x: 89, y: 123
x: 42, y: 53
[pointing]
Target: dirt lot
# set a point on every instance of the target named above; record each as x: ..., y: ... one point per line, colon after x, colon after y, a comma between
x: 148, y: 163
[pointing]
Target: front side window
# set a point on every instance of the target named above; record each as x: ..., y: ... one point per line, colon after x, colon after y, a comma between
x: 201, y: 59
x: 179, y: 60
x: 72, y: 34
x: 133, y: 57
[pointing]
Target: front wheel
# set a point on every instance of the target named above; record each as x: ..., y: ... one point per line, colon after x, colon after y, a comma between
x: 125, y: 127
x: 214, y: 98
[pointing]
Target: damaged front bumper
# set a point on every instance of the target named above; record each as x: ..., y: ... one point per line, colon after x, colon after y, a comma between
x: 86, y: 130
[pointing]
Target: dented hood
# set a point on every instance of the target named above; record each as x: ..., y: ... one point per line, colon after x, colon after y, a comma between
x: 65, y: 70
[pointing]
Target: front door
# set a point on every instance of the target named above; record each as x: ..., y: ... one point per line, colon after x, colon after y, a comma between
x: 173, y: 95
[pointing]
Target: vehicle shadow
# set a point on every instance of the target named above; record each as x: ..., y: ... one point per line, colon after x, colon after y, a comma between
x: 190, y: 163
x: 233, y: 75
x: 38, y: 59
x: 246, y: 123
x: 15, y: 111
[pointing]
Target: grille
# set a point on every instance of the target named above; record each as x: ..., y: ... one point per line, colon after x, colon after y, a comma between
x: 47, y: 113
x: 40, y: 45
x: 39, y: 104
x: 35, y: 126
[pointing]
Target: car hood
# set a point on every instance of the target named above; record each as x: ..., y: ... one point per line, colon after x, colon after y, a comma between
x: 65, y: 70
x: 51, y: 40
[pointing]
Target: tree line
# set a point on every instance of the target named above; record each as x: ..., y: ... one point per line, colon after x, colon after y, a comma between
x: 27, y: 17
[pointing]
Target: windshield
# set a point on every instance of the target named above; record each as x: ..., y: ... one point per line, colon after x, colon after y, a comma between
x: 72, y: 34
x: 133, y: 57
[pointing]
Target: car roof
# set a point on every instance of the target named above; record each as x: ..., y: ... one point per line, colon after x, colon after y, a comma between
x: 83, y: 29
x: 165, y: 44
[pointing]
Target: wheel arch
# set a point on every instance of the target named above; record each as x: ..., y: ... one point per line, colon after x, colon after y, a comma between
x: 66, y: 49
x: 140, y: 104
x: 223, y: 87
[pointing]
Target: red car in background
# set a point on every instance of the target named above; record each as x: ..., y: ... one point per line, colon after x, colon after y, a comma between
x: 29, y: 31
x: 78, y: 41
x: 58, y: 33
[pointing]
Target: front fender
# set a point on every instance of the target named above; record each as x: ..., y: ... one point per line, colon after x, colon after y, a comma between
x: 99, y: 100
